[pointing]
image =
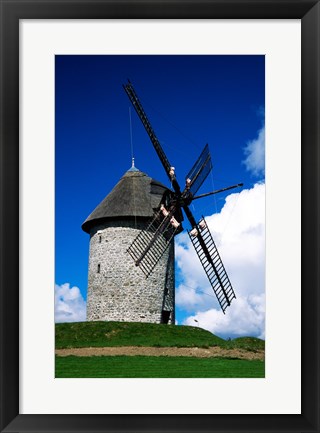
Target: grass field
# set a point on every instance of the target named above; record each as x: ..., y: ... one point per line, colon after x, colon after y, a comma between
x: 156, y: 367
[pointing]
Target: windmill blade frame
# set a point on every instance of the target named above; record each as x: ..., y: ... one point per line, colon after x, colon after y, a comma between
x: 199, y: 171
x: 152, y: 242
x: 211, y: 262
x: 169, y: 169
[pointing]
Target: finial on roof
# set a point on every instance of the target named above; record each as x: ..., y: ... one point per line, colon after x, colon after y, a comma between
x: 133, y: 168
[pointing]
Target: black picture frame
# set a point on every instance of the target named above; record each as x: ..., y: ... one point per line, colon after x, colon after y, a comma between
x: 11, y: 12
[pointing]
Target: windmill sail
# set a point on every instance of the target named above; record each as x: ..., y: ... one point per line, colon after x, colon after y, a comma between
x: 200, y: 170
x: 208, y: 254
x: 151, y: 243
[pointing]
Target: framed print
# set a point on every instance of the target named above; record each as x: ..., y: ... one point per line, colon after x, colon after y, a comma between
x: 48, y: 50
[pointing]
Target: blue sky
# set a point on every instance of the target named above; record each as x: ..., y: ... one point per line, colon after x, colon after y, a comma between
x: 190, y: 101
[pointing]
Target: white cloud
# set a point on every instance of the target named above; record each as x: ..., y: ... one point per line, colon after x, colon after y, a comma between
x: 255, y: 154
x: 69, y: 305
x: 245, y: 317
x: 239, y: 233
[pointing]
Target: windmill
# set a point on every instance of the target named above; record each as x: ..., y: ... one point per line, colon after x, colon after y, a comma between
x: 151, y: 243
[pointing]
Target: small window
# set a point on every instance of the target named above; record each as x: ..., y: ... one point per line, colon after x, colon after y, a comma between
x: 98, y: 268
x: 100, y: 238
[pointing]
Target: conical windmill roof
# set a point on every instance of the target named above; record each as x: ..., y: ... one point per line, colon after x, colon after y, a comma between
x: 135, y: 195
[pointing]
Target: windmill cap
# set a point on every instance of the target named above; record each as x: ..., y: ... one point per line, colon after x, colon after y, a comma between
x: 136, y: 195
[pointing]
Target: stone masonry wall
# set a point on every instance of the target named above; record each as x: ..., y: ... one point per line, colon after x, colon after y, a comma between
x: 117, y: 289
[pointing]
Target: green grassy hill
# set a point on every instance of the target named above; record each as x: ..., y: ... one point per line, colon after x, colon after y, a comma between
x: 109, y: 334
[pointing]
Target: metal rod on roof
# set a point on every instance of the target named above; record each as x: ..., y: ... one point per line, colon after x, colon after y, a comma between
x: 131, y: 141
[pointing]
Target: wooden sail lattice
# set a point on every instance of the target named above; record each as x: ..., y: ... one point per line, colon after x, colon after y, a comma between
x: 152, y: 242
x: 212, y: 264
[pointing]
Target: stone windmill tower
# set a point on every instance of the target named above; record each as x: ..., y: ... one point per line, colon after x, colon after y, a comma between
x: 117, y: 289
